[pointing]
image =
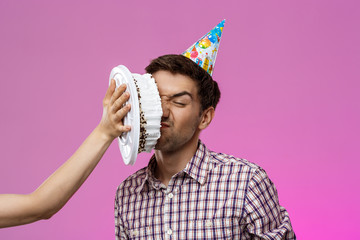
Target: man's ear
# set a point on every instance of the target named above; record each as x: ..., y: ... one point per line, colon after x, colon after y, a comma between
x: 206, y: 117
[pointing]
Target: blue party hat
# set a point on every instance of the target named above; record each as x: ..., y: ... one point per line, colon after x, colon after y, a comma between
x: 204, y: 51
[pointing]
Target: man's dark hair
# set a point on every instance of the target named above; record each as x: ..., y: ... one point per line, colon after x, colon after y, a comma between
x: 208, y: 89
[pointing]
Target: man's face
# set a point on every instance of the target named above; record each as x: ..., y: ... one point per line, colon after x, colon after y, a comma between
x: 181, y: 110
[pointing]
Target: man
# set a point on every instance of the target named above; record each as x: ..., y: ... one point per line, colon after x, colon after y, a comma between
x: 188, y: 191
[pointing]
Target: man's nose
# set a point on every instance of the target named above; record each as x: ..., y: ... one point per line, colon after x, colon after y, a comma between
x: 165, y: 107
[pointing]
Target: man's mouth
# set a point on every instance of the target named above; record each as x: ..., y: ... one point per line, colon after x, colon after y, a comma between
x: 164, y: 125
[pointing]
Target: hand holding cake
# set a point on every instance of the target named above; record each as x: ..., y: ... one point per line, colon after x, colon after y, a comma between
x: 114, y: 110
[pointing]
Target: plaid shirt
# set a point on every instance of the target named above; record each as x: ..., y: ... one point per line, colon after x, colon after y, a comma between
x: 216, y: 196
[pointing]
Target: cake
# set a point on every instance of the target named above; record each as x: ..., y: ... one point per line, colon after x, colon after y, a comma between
x: 144, y: 116
x: 150, y: 111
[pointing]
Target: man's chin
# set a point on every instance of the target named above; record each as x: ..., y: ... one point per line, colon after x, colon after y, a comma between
x: 158, y: 144
x: 162, y: 144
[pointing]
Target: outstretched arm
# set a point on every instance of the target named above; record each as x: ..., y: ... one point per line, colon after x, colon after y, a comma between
x: 53, y: 193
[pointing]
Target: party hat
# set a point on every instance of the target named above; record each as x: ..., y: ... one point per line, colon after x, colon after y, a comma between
x: 204, y: 51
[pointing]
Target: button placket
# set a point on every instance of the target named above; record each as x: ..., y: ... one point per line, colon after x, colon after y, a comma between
x: 167, y: 212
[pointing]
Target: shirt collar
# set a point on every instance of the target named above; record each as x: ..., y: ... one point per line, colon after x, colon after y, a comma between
x: 150, y: 175
x: 197, y: 168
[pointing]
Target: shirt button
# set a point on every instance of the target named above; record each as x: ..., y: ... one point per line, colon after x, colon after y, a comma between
x: 135, y: 233
x: 208, y: 223
x: 169, y: 231
x: 170, y: 195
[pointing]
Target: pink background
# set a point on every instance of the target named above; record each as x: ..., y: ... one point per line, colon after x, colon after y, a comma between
x: 289, y: 75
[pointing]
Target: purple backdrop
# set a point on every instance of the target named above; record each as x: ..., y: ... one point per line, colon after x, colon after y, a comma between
x: 289, y: 75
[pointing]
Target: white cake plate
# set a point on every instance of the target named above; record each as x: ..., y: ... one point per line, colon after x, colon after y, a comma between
x: 128, y: 142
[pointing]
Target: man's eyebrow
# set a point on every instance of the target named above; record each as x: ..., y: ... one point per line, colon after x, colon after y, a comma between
x: 181, y: 94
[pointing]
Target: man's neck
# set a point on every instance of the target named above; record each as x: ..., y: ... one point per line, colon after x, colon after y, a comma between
x: 170, y: 163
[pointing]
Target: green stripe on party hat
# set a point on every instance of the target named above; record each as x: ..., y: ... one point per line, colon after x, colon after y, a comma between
x: 204, y: 51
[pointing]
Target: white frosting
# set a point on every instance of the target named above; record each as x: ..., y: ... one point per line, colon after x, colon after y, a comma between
x: 151, y: 106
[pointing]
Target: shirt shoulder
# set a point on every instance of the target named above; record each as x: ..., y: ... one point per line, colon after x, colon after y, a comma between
x: 225, y: 160
x: 224, y: 167
x: 132, y: 183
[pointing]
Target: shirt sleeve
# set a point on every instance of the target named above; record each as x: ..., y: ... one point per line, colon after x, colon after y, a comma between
x: 119, y: 225
x: 265, y: 218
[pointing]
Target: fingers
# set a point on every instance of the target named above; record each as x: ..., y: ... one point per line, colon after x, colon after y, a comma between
x: 118, y: 92
x: 120, y: 114
x: 117, y: 107
x: 109, y: 92
x: 114, y: 110
x: 118, y: 99
x: 119, y: 102
x: 125, y: 128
